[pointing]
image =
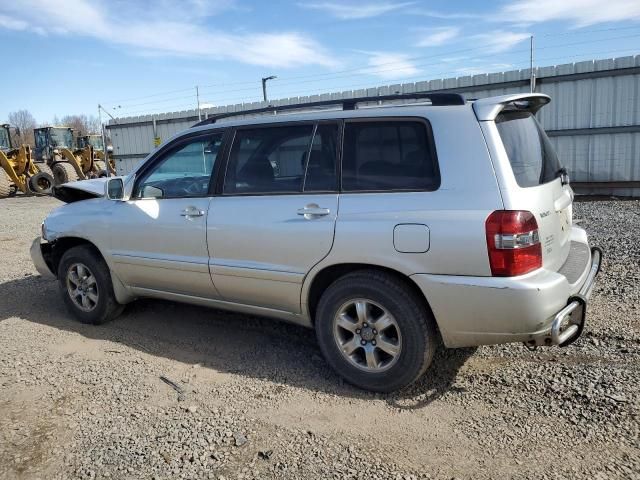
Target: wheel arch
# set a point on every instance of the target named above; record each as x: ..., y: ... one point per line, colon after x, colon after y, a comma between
x: 329, y: 274
x: 63, y: 244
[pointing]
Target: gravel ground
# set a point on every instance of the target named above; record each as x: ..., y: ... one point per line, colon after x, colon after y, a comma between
x: 254, y: 399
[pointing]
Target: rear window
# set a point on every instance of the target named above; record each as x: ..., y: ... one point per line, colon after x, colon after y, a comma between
x: 530, y: 152
x: 389, y: 156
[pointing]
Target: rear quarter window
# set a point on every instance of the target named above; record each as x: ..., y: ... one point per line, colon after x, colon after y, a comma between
x: 389, y: 156
x: 531, y: 155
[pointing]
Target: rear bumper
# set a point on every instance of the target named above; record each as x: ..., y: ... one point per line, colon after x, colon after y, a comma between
x: 38, y: 259
x: 568, y: 323
x: 540, y: 308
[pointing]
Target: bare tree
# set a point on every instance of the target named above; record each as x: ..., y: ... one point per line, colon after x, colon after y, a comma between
x: 81, y: 124
x: 26, y: 123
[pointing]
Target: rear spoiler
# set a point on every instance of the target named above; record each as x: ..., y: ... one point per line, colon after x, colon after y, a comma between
x: 487, y: 109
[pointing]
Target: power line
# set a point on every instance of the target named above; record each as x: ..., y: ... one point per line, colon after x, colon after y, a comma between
x: 435, y: 76
x: 368, y: 69
x: 150, y: 96
x: 324, y: 90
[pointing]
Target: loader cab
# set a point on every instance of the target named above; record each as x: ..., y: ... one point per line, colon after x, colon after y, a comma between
x: 48, y: 139
x: 94, y: 140
x: 5, y: 137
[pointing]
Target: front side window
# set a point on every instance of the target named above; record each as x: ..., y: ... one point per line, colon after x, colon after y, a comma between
x: 530, y: 152
x: 184, y: 171
x: 268, y: 160
x: 388, y: 156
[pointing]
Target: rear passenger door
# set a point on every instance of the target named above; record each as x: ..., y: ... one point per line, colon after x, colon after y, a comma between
x: 388, y: 202
x: 275, y: 216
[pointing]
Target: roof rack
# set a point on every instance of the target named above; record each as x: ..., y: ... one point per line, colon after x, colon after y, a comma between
x: 437, y: 99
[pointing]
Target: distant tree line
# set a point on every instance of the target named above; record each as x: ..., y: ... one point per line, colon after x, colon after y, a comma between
x: 26, y: 123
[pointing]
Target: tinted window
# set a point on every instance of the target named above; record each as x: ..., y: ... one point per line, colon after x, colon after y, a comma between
x: 530, y: 152
x: 183, y: 172
x: 321, y: 167
x: 268, y: 160
x: 393, y: 155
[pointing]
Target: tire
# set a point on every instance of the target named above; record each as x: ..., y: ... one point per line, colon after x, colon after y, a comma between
x: 410, y: 331
x: 63, y: 172
x: 41, y: 183
x: 43, y: 167
x: 83, y: 275
x: 5, y: 184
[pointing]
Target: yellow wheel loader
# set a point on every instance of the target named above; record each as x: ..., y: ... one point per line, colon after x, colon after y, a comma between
x: 18, y: 171
x: 99, y: 153
x: 55, y: 147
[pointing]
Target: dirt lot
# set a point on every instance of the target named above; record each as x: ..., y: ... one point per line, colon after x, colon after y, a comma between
x: 258, y: 401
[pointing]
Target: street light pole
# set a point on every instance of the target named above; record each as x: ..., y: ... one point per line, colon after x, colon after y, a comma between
x: 264, y: 86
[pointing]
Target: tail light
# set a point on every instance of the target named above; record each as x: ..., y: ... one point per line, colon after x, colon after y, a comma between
x: 513, y: 242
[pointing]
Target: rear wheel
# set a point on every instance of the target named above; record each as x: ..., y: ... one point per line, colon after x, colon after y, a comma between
x: 63, y: 173
x: 85, y: 285
x: 5, y: 184
x: 375, y: 331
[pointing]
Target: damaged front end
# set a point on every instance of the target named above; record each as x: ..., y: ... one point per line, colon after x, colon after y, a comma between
x: 80, y: 190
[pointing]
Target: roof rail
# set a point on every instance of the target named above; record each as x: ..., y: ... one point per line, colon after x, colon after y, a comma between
x: 437, y: 99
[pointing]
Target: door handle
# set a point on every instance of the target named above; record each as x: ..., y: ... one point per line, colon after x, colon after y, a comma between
x: 192, y: 212
x: 312, y: 211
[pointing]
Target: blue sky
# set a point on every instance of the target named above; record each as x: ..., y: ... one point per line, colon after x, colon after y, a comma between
x: 66, y: 56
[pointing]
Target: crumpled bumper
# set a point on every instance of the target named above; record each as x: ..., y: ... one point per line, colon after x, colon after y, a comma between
x: 38, y: 259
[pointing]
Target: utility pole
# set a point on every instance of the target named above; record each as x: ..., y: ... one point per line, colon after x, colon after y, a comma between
x: 264, y: 86
x: 198, y: 100
x: 532, y: 78
x: 104, y: 138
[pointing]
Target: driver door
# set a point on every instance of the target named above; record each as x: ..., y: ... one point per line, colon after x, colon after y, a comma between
x: 159, y: 236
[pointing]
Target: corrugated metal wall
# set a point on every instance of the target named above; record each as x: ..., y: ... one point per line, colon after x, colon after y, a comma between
x: 593, y: 119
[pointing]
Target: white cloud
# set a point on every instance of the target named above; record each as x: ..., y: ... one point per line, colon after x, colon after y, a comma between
x: 445, y: 16
x: 500, y: 41
x: 438, y: 36
x: 388, y: 65
x: 165, y: 31
x: 356, y: 10
x: 580, y: 12
x: 11, y: 23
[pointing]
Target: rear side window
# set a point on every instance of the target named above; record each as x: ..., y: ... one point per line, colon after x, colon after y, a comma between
x: 389, y: 156
x: 268, y: 160
x: 530, y: 152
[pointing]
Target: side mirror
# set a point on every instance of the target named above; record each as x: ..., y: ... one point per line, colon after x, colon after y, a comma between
x: 115, y: 189
x: 18, y: 133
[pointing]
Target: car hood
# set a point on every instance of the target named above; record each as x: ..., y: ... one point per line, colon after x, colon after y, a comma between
x: 80, y: 190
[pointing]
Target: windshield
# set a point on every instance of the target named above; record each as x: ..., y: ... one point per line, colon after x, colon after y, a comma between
x: 4, y: 138
x: 61, y: 137
x: 532, y: 157
x: 96, y: 142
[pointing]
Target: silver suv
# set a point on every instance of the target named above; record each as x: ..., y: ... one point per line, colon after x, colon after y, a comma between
x: 384, y: 228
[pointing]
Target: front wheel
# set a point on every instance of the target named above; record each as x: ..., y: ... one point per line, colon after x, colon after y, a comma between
x: 85, y: 285
x: 374, y: 331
